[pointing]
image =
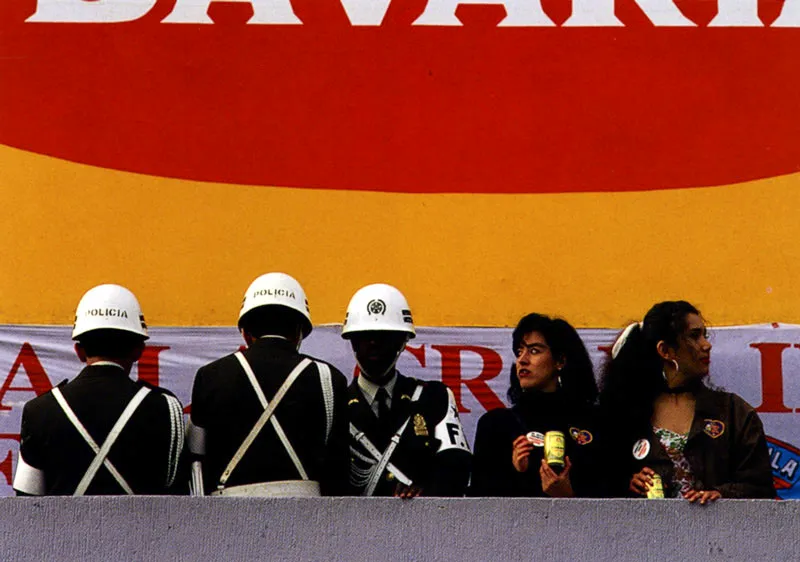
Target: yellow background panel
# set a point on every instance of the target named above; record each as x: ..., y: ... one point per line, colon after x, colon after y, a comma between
x: 189, y: 249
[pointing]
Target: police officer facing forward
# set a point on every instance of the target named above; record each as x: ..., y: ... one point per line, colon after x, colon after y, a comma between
x: 406, y: 438
x: 102, y: 433
x: 269, y: 421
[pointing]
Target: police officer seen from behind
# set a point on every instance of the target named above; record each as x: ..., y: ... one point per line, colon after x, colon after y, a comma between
x: 406, y: 438
x: 102, y: 433
x: 269, y: 421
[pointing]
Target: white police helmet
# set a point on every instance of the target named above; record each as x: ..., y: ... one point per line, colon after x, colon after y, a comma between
x: 277, y: 289
x: 109, y: 307
x: 378, y: 307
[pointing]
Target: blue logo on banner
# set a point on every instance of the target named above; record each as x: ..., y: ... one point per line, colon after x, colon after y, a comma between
x: 785, y: 461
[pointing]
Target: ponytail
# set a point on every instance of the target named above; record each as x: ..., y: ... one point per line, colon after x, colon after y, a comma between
x: 633, y: 376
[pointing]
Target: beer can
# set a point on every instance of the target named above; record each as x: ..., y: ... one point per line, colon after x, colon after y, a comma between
x: 554, y: 450
x: 656, y: 489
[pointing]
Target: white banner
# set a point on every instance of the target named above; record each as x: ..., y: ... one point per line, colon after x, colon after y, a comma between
x: 760, y: 363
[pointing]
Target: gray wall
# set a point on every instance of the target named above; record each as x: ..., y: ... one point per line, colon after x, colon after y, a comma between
x: 145, y: 528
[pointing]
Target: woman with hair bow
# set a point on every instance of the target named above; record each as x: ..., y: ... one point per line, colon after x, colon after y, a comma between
x: 705, y: 444
x: 552, y: 388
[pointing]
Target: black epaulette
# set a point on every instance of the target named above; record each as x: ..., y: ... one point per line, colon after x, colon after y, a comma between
x: 63, y: 383
x: 151, y: 386
x: 423, y: 383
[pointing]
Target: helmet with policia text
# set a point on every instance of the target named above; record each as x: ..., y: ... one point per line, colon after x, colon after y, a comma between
x: 378, y: 307
x: 109, y: 307
x: 277, y: 289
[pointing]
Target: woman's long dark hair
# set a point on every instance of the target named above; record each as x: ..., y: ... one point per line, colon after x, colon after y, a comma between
x: 577, y: 376
x: 634, y: 378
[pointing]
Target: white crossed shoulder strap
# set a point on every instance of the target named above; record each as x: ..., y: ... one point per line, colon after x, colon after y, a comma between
x: 326, y: 382
x: 383, y: 460
x: 101, y: 453
x: 269, y: 411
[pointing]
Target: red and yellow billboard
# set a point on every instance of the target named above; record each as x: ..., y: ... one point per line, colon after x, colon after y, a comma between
x: 579, y: 157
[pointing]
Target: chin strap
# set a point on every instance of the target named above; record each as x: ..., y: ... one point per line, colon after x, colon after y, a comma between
x: 388, y: 369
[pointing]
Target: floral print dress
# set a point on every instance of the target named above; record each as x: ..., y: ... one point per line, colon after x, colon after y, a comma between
x: 674, y: 444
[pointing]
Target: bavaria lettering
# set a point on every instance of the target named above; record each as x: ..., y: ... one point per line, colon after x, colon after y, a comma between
x: 29, y: 363
x: 5, y: 467
x: 441, y: 13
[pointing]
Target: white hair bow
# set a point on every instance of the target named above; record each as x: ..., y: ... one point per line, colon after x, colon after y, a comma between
x: 623, y: 337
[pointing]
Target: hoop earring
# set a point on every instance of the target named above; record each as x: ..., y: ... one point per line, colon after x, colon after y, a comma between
x: 664, y: 371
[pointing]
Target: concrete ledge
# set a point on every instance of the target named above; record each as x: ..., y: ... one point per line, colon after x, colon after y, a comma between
x: 157, y: 528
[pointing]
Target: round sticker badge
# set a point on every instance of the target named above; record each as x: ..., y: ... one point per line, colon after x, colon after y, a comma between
x: 641, y: 449
x: 714, y: 428
x: 581, y: 436
x: 536, y: 438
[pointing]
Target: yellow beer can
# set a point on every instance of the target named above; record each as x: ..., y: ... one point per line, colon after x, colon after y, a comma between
x: 656, y: 490
x: 554, y: 450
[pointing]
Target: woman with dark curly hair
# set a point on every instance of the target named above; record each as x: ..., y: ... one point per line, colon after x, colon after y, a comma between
x: 552, y: 388
x: 703, y: 443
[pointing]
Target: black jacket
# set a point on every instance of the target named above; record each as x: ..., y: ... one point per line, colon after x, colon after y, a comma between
x: 432, y: 450
x: 493, y: 472
x: 726, y: 449
x: 146, y: 453
x: 226, y: 406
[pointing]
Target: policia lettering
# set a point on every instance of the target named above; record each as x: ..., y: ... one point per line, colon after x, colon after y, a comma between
x: 274, y: 293
x: 106, y: 312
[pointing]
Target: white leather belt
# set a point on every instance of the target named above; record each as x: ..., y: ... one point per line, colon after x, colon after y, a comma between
x: 277, y: 489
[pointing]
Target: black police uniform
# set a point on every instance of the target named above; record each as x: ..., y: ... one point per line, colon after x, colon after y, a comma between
x: 226, y: 407
x: 432, y: 451
x: 494, y: 473
x: 146, y: 453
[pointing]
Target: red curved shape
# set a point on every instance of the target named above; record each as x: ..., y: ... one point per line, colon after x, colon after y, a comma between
x: 407, y: 109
